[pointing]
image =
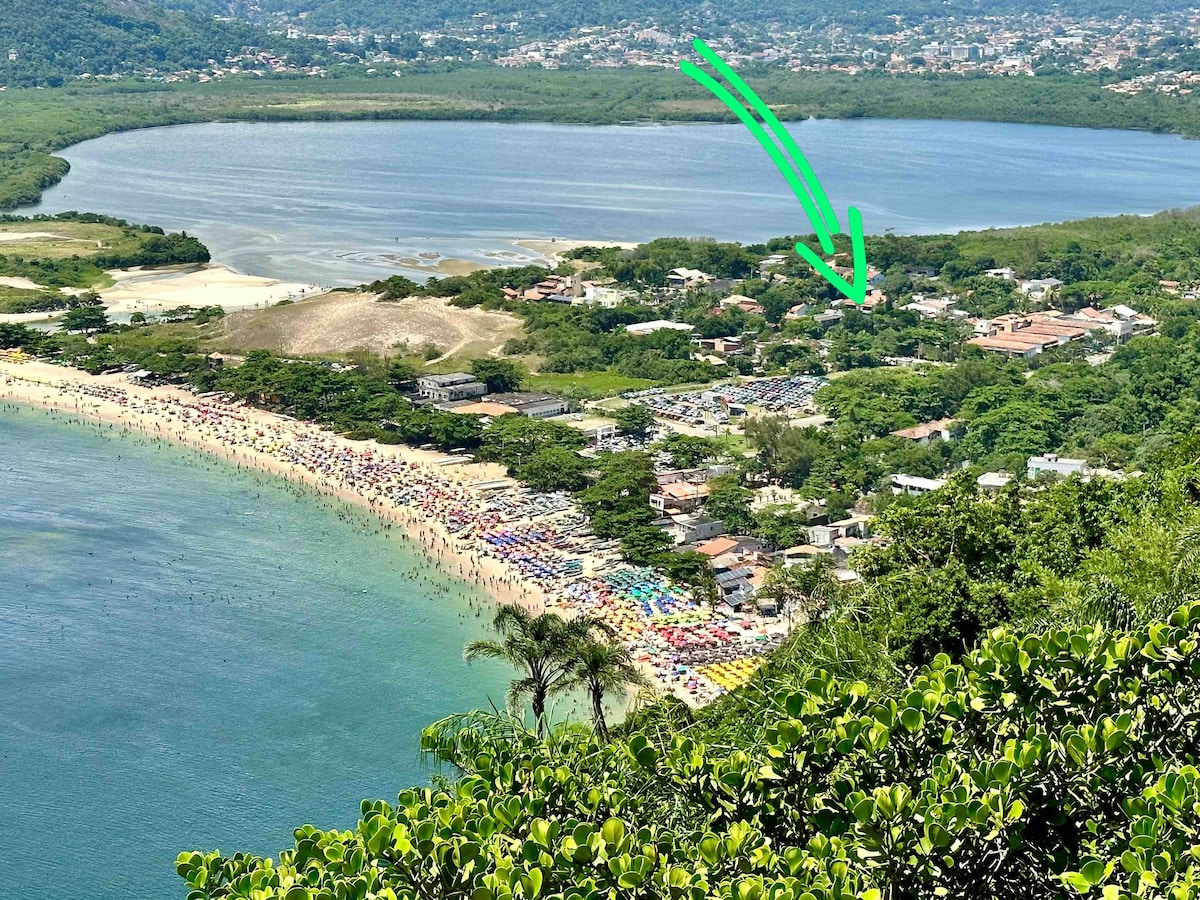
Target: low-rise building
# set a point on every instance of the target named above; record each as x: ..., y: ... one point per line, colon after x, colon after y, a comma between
x: 928, y: 308
x: 914, y: 485
x: 483, y: 408
x: 534, y: 405
x: 858, y: 526
x: 993, y: 481
x: 803, y: 554
x: 689, y: 528
x: 594, y: 428
x: 607, y: 297
x: 643, y: 328
x: 678, y: 497
x: 1058, y: 465
x: 745, y: 304
x: 1039, y: 288
x: 728, y: 345
x: 774, y: 261
x: 452, y: 386
x: 928, y: 432
x: 687, y: 278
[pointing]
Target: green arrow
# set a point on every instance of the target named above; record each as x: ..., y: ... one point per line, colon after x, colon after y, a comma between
x: 858, y: 290
x: 723, y: 69
x: 803, y: 182
x: 798, y: 187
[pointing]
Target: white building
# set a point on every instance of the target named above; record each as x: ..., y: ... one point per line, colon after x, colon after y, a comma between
x: 1037, y: 288
x: 914, y: 486
x: 643, y: 328
x: 606, y: 296
x: 687, y: 278
x: 929, y: 309
x: 454, y: 386
x: 993, y: 481
x: 1052, y: 462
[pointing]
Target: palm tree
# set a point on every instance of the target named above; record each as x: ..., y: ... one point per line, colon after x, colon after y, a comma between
x: 541, y: 645
x: 601, y: 666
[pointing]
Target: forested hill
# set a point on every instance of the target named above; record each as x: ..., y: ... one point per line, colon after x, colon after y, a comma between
x: 55, y: 40
x: 536, y: 16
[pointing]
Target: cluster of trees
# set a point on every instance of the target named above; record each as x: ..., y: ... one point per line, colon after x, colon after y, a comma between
x: 18, y: 300
x: 567, y: 339
x: 32, y: 341
x: 1115, y: 414
x: 473, y: 289
x: 25, y: 174
x: 1102, y: 261
x: 576, y: 339
x: 1118, y: 414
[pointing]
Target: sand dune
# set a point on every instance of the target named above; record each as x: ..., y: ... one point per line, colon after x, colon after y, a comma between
x: 156, y: 290
x: 341, y: 321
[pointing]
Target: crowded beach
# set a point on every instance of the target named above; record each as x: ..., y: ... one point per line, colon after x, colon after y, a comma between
x: 523, y: 547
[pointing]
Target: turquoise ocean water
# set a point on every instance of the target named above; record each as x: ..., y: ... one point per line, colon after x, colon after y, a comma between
x: 193, y: 656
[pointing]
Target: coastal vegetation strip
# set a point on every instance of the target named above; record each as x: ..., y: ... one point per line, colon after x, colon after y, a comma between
x: 40, y: 122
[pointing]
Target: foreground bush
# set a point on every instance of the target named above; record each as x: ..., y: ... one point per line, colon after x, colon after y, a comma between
x: 1053, y: 764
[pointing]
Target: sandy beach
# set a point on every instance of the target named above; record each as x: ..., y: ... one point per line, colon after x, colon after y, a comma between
x: 53, y: 387
x: 469, y: 518
x: 554, y: 249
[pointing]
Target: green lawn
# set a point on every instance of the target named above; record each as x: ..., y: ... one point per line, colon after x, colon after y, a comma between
x: 59, y: 240
x: 589, y: 386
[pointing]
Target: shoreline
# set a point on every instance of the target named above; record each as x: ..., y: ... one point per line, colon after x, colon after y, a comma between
x: 468, y: 518
x: 43, y: 391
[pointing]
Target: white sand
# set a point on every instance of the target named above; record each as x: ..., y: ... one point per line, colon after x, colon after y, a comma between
x: 23, y: 283
x: 157, y: 290
x: 8, y: 236
x: 556, y: 248
x: 55, y: 387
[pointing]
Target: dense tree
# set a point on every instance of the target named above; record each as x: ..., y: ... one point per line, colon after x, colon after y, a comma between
x: 634, y: 419
x: 645, y: 545
x: 802, y: 591
x: 514, y: 439
x: 686, y: 451
x: 729, y: 500
x: 86, y: 319
x: 618, y: 501
x: 56, y: 40
x: 401, y: 374
x: 554, y: 468
x: 500, y: 375
x: 1043, y: 764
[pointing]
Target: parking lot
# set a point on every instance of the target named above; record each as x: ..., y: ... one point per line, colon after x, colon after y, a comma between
x: 719, y: 404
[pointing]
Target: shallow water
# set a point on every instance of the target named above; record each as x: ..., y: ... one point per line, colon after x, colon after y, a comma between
x: 193, y: 656
x: 340, y: 202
